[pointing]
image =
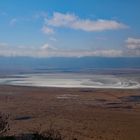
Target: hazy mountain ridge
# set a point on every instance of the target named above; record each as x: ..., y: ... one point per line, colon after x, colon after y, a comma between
x: 24, y: 64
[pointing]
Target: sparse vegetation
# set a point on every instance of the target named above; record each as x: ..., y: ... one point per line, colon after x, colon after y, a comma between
x: 49, y: 134
x: 4, y: 124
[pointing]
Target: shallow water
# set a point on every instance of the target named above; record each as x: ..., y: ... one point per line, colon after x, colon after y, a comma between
x: 73, y: 80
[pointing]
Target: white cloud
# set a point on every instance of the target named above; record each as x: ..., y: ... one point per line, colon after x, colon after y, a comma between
x: 133, y: 43
x: 47, y: 47
x: 74, y: 22
x: 47, y: 30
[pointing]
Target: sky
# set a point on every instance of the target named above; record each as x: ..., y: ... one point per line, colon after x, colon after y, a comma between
x: 70, y: 28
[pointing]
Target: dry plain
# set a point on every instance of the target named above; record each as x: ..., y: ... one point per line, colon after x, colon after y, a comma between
x: 87, y: 114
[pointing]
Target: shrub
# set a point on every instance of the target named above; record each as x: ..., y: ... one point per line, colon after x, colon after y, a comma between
x: 4, y: 124
x: 49, y: 134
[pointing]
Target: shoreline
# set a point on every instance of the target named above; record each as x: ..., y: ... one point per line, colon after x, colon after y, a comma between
x: 73, y: 80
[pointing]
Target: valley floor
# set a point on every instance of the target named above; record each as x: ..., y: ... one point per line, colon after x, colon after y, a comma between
x: 87, y: 114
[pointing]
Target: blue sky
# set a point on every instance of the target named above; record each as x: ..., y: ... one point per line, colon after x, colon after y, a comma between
x: 48, y: 28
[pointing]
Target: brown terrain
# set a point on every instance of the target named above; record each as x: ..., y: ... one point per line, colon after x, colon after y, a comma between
x: 87, y: 114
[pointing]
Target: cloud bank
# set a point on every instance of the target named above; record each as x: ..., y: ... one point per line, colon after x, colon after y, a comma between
x: 133, y: 43
x: 47, y: 50
x: 133, y: 46
x: 131, y: 49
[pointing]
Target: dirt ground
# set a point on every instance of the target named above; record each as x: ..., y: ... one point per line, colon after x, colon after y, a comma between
x: 87, y: 114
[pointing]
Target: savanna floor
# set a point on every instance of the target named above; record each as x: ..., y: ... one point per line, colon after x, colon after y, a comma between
x: 87, y: 114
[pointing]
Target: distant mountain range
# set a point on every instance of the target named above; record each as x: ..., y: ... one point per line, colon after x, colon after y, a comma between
x: 28, y: 64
